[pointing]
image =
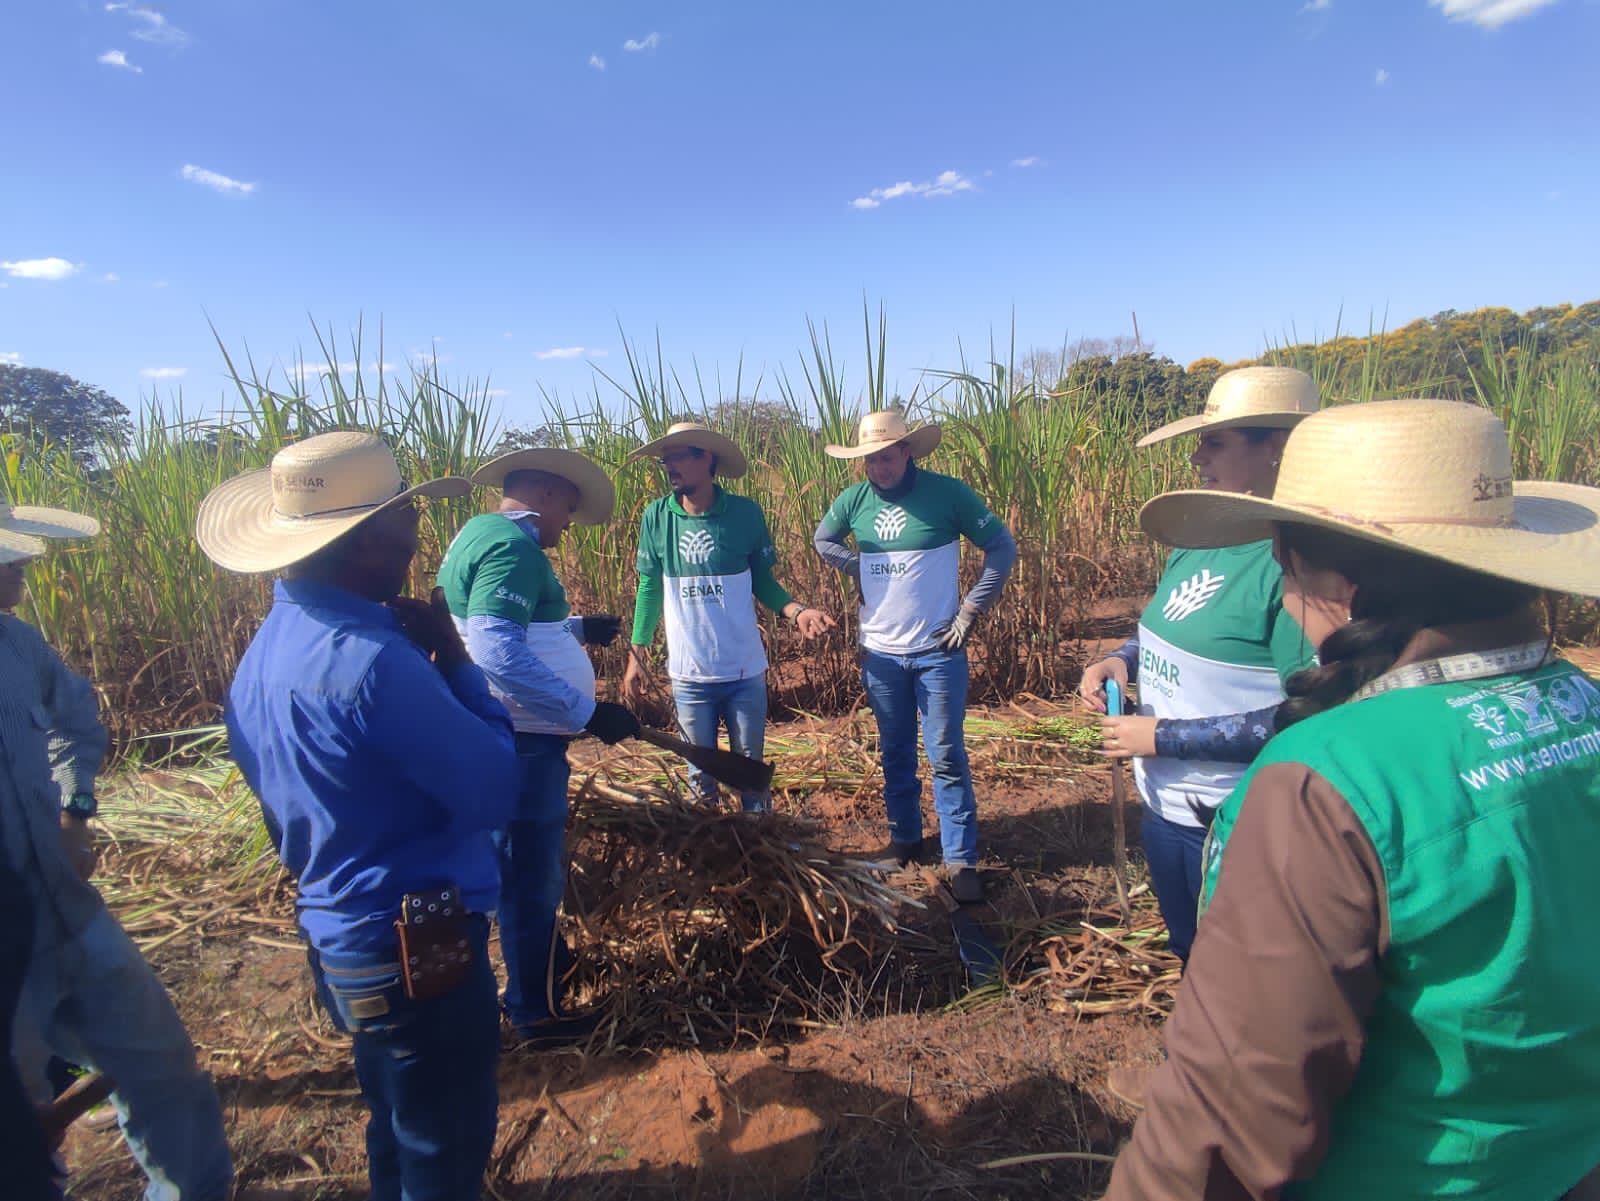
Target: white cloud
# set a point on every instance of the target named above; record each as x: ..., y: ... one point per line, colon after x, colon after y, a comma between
x: 598, y: 63
x: 163, y: 372
x: 111, y: 277
x: 497, y: 393
x: 1317, y: 6
x: 215, y: 180
x: 946, y: 183
x: 568, y: 352
x: 1031, y: 160
x: 153, y: 25
x: 116, y: 58
x: 10, y: 358
x: 649, y: 42
x: 1489, y: 14
x: 508, y: 334
x: 1381, y: 78
x: 51, y: 268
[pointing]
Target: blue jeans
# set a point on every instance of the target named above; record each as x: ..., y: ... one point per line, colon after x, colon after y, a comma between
x: 533, y: 878
x: 1173, y: 853
x: 931, y: 686
x: 741, y: 706
x: 426, y: 1069
x: 94, y: 1000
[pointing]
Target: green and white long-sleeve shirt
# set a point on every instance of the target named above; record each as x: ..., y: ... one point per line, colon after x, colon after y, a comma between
x: 705, y: 571
x: 910, y: 556
x: 1214, y: 640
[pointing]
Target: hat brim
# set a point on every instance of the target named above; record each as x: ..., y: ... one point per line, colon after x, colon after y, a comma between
x: 731, y: 463
x: 19, y: 548
x: 1553, y: 544
x: 36, y: 521
x: 239, y: 529
x: 1282, y: 420
x: 920, y: 442
x: 597, y: 495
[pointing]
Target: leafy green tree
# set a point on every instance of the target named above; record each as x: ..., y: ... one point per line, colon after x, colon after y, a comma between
x: 56, y: 409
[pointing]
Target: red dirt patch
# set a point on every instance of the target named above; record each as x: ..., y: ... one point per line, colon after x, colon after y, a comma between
x: 896, y: 1094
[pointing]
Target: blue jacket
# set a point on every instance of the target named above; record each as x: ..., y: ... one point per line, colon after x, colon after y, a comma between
x: 377, y: 775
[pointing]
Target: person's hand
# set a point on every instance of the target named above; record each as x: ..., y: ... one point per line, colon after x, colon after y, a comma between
x: 1127, y: 737
x: 429, y: 624
x: 612, y: 723
x: 1092, y: 688
x: 813, y: 623
x: 78, y: 839
x: 637, y: 679
x: 954, y: 636
x: 601, y: 630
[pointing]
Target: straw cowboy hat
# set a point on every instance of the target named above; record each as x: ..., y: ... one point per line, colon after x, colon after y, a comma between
x: 597, y: 496
x: 880, y: 430
x: 1263, y: 397
x: 1428, y: 476
x: 315, y: 491
x: 731, y: 463
x: 23, y: 526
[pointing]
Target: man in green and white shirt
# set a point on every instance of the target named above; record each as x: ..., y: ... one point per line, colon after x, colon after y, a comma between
x: 908, y: 523
x: 513, y: 615
x: 705, y: 557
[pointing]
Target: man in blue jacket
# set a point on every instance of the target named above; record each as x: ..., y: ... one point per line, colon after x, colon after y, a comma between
x: 382, y: 765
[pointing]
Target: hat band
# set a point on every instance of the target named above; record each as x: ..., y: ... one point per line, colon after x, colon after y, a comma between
x: 1383, y: 527
x: 277, y: 512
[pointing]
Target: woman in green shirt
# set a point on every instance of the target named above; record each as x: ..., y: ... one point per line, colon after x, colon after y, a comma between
x: 1391, y: 993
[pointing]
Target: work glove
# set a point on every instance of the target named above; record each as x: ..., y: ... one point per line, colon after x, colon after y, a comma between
x: 954, y: 636
x: 601, y: 630
x: 611, y: 723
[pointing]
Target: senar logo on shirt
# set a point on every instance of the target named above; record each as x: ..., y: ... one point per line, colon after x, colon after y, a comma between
x: 1189, y: 597
x: 501, y: 592
x: 696, y: 545
x: 890, y: 523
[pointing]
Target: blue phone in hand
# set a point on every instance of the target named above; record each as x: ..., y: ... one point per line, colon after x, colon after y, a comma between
x: 1113, y: 699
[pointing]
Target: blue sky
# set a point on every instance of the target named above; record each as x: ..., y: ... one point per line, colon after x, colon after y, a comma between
x: 506, y: 180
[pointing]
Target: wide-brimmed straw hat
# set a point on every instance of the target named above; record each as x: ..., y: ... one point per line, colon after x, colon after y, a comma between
x: 731, y: 463
x: 23, y: 528
x: 597, y: 495
x: 1259, y: 397
x: 314, y: 492
x: 883, y: 429
x: 1428, y: 476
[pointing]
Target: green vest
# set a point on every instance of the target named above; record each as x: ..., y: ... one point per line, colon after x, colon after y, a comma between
x: 1481, y: 1074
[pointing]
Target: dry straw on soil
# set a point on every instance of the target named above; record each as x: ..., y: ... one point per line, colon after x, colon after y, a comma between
x: 693, y: 927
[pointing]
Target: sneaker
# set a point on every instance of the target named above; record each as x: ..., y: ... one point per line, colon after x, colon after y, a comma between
x: 966, y: 885
x: 558, y: 1032
x: 1128, y: 1084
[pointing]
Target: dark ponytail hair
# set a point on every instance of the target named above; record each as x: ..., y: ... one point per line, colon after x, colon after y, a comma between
x: 1397, y: 595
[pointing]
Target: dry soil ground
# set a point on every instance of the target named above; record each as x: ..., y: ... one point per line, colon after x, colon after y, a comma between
x: 902, y: 1089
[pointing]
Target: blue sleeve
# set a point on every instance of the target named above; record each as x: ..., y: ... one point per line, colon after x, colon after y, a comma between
x: 1235, y: 738
x: 999, y: 556
x: 1128, y: 652
x: 448, y: 737
x: 78, y: 740
x: 500, y: 647
x: 829, y: 541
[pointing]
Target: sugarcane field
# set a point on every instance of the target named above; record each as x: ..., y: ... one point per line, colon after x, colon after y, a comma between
x: 723, y: 602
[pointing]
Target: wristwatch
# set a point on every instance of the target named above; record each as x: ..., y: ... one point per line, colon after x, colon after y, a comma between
x: 81, y: 805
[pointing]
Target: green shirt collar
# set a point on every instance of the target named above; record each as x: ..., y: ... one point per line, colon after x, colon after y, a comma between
x: 719, y: 504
